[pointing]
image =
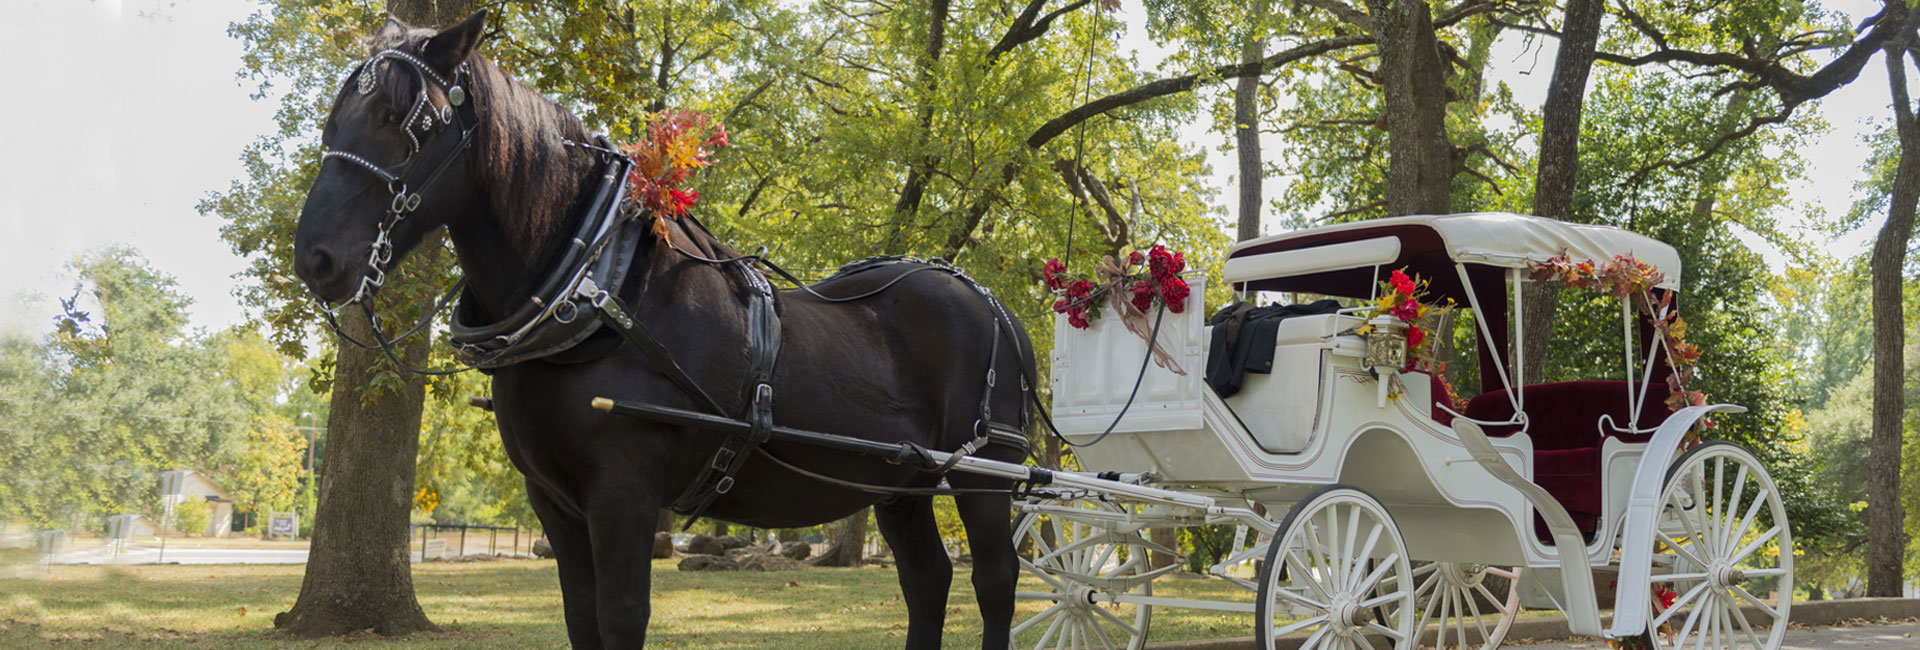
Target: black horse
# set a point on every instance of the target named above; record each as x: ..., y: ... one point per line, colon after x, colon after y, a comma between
x: 907, y: 364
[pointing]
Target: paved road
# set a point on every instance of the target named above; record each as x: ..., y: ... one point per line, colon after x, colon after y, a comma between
x: 186, y: 555
x: 191, y: 555
x: 1901, y: 636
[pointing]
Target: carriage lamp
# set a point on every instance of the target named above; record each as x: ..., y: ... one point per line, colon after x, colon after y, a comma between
x: 1387, y: 344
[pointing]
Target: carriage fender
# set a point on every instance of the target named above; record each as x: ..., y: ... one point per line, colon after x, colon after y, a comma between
x: 1630, y: 607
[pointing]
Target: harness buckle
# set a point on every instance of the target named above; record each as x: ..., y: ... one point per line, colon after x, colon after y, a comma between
x: 721, y: 459
x: 403, y: 202
x: 724, y: 486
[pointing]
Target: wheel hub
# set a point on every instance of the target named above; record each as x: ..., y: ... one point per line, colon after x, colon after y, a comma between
x: 1727, y: 577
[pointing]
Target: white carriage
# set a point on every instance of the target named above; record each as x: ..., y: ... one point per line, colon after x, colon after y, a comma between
x: 1368, y: 506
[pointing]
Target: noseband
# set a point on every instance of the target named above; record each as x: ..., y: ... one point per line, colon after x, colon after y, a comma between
x: 449, y: 133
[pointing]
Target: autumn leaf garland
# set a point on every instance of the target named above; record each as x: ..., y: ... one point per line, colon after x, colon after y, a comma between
x: 677, y: 143
x: 1631, y: 279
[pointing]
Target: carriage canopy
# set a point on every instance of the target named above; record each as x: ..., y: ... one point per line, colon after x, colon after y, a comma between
x: 1347, y: 259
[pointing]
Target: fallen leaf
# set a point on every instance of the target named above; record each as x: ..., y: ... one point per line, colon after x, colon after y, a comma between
x: 243, y: 611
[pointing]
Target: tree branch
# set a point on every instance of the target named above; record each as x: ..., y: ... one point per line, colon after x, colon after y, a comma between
x: 1172, y: 85
x: 1029, y: 25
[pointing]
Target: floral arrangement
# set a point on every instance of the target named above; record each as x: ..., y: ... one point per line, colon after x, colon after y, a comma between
x: 1634, y: 280
x: 677, y: 143
x: 1144, y: 280
x: 1159, y: 282
x: 1405, y: 298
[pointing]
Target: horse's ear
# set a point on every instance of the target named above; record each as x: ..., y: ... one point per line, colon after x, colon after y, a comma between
x: 449, y: 48
x: 391, y: 31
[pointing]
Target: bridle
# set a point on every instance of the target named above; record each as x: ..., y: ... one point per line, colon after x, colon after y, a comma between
x: 449, y: 135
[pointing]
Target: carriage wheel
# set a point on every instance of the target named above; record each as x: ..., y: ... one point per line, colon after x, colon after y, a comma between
x: 1721, y: 542
x: 1320, y: 564
x: 1473, y: 605
x: 1088, y: 568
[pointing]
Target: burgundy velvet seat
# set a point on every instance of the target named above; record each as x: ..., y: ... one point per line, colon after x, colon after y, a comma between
x: 1566, y: 432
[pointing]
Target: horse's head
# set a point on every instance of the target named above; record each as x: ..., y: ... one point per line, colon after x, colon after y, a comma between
x: 397, y: 162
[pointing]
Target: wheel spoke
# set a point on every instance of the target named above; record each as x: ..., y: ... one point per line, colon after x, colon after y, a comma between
x: 1331, y: 530
x: 1289, y: 594
x: 1350, y: 563
x: 1474, y: 606
x: 1100, y: 632
x: 1044, y: 614
x: 1743, y: 594
x: 1373, y: 538
x: 1693, y: 616
x: 1747, y: 521
x: 1680, y: 577
x: 1114, y: 619
x: 1683, y: 600
x: 1052, y: 629
x: 1729, y: 534
x: 1498, y: 603
x: 1713, y: 511
x: 1301, y: 574
x: 1681, y: 551
x: 1745, y: 627
x: 1680, y: 511
x: 1313, y: 640
x: 1700, y: 640
x: 1299, y: 625
x: 1385, y: 631
x: 1754, y: 545
x: 1373, y: 579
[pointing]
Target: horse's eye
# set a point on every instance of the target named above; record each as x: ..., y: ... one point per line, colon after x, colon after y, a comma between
x: 390, y: 117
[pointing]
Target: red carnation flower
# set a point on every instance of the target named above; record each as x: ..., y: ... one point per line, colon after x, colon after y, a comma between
x: 1414, y: 336
x: 1143, y: 295
x: 1402, y: 283
x: 1052, y: 271
x: 1135, y: 258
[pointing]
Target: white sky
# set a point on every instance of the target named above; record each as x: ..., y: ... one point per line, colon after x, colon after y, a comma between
x: 121, y: 115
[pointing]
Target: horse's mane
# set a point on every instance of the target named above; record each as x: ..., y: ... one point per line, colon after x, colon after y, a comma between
x: 531, y: 177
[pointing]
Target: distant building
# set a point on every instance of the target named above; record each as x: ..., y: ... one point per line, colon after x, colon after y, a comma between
x: 197, y: 488
x: 129, y: 526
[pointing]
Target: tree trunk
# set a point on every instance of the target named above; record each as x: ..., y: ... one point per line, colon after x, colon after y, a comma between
x: 1168, y: 537
x: 1414, y: 77
x: 1246, y: 126
x: 849, y: 543
x: 915, y: 187
x: 666, y: 521
x: 359, y: 574
x: 1886, y: 541
x: 1559, y: 165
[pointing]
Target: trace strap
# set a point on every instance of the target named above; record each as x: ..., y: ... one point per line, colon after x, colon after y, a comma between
x: 763, y: 343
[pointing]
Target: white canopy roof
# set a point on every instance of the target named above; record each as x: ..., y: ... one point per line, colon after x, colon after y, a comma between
x: 1489, y: 238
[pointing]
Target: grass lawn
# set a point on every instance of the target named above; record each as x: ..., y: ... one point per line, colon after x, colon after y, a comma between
x: 515, y: 604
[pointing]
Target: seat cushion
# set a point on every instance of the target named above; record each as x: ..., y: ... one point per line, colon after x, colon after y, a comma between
x: 1565, y: 424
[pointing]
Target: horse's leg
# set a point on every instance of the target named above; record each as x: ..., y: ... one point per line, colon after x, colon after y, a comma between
x: 573, y: 554
x: 921, y: 561
x: 988, y: 518
x: 623, y: 564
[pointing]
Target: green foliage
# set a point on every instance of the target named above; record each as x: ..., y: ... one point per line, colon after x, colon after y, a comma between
x: 192, y: 517
x: 122, y: 390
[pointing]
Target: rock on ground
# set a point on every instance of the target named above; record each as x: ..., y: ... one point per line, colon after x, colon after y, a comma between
x: 662, y: 545
x: 796, y: 551
x: 708, y: 563
x: 542, y: 548
x: 704, y: 545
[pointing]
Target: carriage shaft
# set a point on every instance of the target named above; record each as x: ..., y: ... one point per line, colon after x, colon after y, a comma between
x: 901, y: 453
